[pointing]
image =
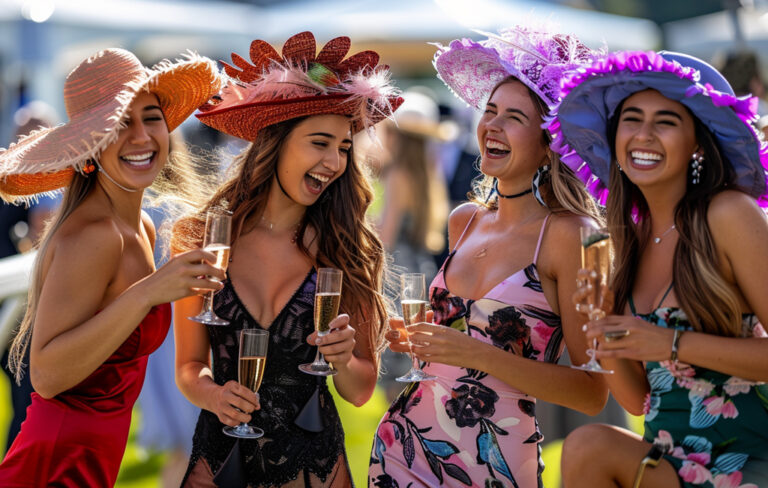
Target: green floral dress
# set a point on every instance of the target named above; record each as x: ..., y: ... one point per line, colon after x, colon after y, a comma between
x: 715, y: 425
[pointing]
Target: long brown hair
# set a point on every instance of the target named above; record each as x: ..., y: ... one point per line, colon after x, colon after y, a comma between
x: 345, y: 238
x: 562, y: 190
x: 708, y: 300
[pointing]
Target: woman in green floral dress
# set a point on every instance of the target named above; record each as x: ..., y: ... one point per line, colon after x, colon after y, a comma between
x: 675, y: 155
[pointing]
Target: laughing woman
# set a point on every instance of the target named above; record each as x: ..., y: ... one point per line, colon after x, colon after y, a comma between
x: 298, y: 200
x: 502, y: 299
x: 96, y: 308
x: 685, y: 175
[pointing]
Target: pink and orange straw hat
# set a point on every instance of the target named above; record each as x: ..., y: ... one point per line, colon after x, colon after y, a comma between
x: 97, y: 95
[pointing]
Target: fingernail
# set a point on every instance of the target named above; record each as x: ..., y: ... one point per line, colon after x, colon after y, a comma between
x: 318, y: 341
x: 584, y: 328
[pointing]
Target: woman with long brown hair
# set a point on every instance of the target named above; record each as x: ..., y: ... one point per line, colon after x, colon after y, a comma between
x: 501, y: 300
x: 97, y: 308
x: 298, y: 200
x: 683, y: 169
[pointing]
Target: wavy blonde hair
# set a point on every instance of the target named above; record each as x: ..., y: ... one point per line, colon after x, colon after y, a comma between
x: 708, y: 300
x: 562, y: 190
x: 345, y: 238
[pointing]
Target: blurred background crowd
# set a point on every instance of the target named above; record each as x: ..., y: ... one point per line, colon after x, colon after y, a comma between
x: 424, y: 165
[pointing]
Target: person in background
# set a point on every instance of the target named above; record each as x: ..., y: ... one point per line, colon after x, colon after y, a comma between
x: 96, y: 306
x: 676, y: 155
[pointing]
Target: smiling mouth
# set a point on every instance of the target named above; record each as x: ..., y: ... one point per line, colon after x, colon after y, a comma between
x: 316, y: 181
x: 142, y: 160
x: 642, y: 158
x: 496, y: 148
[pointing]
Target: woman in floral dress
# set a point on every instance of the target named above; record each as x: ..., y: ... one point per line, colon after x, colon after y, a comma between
x: 497, y: 298
x: 685, y: 175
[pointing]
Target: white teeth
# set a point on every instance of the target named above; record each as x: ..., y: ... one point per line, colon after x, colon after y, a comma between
x: 491, y: 144
x: 137, y: 157
x: 646, y: 156
x: 319, y: 177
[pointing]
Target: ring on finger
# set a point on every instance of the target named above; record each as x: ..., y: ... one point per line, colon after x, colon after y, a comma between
x: 615, y: 335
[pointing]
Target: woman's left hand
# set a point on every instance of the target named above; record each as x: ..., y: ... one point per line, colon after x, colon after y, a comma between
x: 440, y: 344
x: 628, y: 337
x: 337, y: 345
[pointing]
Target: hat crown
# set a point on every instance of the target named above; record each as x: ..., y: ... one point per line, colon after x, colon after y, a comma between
x: 98, y: 81
x: 707, y: 73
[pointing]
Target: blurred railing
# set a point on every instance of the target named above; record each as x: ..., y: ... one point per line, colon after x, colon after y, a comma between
x: 14, y: 281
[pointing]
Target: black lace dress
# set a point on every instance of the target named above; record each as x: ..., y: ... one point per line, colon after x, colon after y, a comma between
x: 303, y: 443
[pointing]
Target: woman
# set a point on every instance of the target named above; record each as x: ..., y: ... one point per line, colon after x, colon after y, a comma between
x: 298, y: 200
x: 96, y: 306
x: 513, y: 264
x: 684, y: 166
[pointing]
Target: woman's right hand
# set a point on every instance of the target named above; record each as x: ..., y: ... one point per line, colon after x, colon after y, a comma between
x: 233, y: 403
x: 183, y: 275
x: 584, y: 294
x: 397, y: 336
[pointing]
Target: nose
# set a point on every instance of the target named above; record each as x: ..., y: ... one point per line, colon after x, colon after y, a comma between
x: 138, y: 133
x: 644, y: 132
x: 333, y: 159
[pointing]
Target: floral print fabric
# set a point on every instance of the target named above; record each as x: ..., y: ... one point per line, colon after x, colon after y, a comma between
x: 715, y: 426
x: 468, y: 428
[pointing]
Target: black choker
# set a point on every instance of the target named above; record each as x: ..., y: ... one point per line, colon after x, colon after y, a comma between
x: 496, y: 190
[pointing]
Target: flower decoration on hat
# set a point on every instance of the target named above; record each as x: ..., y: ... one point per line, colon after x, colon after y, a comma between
x: 591, y: 96
x: 538, y: 57
x: 272, y: 88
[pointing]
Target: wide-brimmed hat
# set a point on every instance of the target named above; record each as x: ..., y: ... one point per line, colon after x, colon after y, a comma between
x: 537, y: 57
x: 591, y: 96
x: 97, y: 95
x: 272, y: 88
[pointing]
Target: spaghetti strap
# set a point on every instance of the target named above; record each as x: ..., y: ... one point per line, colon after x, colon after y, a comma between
x: 455, y: 246
x: 541, y: 236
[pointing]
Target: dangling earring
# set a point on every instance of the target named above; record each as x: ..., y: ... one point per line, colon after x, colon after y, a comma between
x: 542, y: 175
x: 696, y: 168
x: 619, y: 166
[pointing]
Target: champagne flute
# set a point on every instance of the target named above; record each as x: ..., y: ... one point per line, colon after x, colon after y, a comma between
x: 595, y: 258
x: 412, y: 300
x: 218, y: 230
x: 327, y: 299
x: 250, y: 371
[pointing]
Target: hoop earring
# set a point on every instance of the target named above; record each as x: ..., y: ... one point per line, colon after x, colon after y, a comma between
x: 696, y: 168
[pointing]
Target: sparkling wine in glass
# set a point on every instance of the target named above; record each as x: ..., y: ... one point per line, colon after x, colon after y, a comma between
x: 218, y: 230
x: 414, y: 305
x: 251, y: 362
x: 327, y: 300
x: 595, y: 258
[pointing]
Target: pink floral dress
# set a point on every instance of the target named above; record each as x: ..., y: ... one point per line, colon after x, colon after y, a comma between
x: 715, y: 426
x: 468, y: 428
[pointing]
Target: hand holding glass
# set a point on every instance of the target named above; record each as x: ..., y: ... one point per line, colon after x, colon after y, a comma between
x: 251, y: 363
x: 596, y: 259
x: 327, y: 300
x: 218, y: 230
x: 414, y: 304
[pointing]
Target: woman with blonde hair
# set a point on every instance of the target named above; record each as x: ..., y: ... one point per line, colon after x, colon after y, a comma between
x: 664, y: 139
x: 298, y: 200
x: 97, y: 308
x: 501, y: 300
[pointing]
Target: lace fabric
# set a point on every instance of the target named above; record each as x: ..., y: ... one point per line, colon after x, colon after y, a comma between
x: 286, y: 452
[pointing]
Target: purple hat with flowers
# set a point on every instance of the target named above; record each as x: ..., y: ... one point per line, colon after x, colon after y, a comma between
x: 591, y: 96
x: 536, y: 56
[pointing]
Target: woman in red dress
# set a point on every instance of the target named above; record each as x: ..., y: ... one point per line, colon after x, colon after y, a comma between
x: 96, y: 306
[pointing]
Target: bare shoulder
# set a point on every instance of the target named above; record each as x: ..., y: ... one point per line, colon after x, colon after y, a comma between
x: 149, y: 226
x: 564, y: 228
x: 84, y: 238
x: 459, y: 219
x: 731, y: 210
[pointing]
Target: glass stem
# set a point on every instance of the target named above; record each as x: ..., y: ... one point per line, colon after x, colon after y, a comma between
x: 208, y: 302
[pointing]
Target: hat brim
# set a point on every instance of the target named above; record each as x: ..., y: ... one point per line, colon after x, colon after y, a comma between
x: 591, y: 96
x: 246, y: 120
x: 50, y: 153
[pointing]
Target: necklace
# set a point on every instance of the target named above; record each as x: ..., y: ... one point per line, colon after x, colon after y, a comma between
x: 271, y: 227
x: 657, y: 240
x: 514, y: 195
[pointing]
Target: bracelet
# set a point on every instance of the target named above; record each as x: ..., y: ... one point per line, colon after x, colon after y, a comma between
x: 675, y: 344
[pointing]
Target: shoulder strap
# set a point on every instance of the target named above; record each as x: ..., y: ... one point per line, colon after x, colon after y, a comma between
x: 671, y: 285
x: 469, y: 222
x: 541, y: 236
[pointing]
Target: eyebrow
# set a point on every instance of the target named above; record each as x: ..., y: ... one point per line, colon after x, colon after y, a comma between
x: 329, y: 136
x: 152, y: 107
x: 510, y: 110
x: 660, y: 112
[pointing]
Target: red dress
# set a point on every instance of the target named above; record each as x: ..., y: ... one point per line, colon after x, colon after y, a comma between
x: 77, y: 439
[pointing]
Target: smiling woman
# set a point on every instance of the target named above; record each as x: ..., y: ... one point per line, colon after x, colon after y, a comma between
x: 298, y: 200
x: 97, y: 308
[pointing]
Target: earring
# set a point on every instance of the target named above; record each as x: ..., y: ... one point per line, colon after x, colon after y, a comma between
x: 696, y: 168
x: 619, y: 166
x: 542, y: 174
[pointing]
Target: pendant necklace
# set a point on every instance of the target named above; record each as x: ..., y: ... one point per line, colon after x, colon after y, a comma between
x: 657, y: 240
